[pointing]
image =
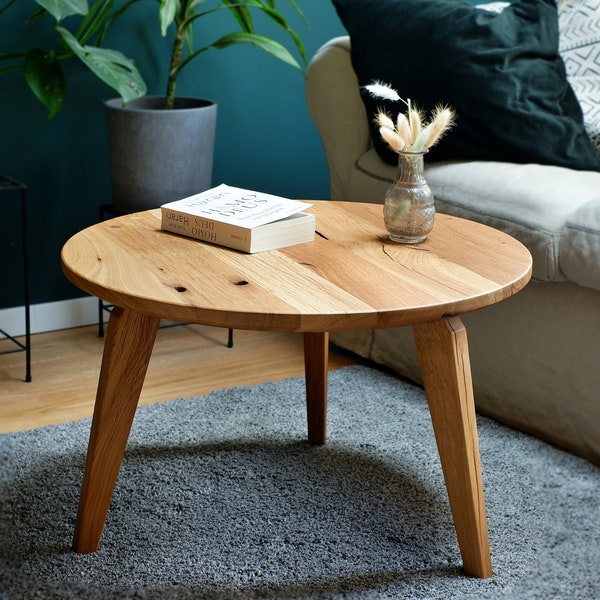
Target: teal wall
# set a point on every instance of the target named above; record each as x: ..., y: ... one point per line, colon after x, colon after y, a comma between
x: 265, y: 137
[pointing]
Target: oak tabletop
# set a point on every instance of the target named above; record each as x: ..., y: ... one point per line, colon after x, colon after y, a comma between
x: 351, y: 277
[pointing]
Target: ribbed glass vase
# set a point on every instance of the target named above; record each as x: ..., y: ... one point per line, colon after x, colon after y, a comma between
x: 408, y: 211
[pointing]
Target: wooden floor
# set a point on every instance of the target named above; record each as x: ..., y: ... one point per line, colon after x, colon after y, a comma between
x: 188, y: 360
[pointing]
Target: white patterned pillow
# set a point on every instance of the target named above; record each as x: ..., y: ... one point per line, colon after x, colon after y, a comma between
x: 579, y: 26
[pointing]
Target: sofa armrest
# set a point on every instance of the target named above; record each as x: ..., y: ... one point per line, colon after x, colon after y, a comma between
x: 334, y: 102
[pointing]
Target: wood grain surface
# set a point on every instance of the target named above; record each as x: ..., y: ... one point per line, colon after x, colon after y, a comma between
x: 351, y: 277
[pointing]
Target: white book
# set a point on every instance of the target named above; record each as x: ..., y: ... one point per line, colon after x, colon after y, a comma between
x: 238, y: 218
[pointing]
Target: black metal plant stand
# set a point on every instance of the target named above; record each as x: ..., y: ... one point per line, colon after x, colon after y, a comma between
x: 103, y: 307
x: 8, y: 184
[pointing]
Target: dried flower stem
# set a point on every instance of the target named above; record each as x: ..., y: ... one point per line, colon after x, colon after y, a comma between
x: 409, y: 133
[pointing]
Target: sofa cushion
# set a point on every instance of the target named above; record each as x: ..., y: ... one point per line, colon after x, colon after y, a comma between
x: 580, y: 245
x: 500, y: 71
x: 553, y: 211
x: 579, y: 26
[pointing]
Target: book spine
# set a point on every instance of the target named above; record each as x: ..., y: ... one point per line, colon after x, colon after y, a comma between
x: 207, y: 230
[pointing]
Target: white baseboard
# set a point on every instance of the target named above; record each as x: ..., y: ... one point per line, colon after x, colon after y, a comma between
x: 50, y: 316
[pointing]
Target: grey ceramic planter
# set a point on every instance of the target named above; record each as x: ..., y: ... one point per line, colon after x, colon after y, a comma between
x: 158, y: 155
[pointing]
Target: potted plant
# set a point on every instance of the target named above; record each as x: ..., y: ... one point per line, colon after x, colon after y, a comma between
x: 151, y: 161
x: 140, y: 131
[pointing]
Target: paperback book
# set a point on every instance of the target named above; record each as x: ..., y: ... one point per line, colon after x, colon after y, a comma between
x: 241, y: 219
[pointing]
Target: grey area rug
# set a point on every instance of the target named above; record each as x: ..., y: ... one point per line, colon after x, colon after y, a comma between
x: 220, y: 497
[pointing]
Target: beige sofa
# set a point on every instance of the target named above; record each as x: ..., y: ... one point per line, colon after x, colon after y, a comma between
x: 535, y: 357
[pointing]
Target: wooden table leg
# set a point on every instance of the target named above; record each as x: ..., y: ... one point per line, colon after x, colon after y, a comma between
x: 316, y: 359
x: 444, y: 358
x: 127, y: 350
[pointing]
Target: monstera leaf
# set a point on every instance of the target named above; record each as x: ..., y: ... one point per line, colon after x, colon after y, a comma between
x: 60, y: 9
x: 46, y: 79
x: 112, y: 67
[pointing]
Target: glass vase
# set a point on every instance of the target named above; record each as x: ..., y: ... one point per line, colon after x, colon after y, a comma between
x: 408, y: 210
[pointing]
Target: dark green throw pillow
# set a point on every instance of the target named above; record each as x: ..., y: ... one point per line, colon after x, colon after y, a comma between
x: 501, y: 72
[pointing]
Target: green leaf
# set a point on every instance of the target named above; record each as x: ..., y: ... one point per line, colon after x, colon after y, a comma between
x: 243, y: 17
x: 60, y: 9
x: 274, y: 48
x: 95, y: 18
x: 189, y: 37
x: 168, y: 10
x: 112, y: 67
x: 45, y: 78
x: 241, y: 14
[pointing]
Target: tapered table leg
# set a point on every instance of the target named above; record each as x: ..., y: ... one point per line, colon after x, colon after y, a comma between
x: 316, y: 359
x: 127, y: 350
x: 444, y: 358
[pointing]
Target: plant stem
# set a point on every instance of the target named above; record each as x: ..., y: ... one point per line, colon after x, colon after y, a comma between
x: 175, y: 60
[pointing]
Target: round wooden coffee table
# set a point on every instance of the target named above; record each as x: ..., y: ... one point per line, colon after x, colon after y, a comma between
x: 352, y: 277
